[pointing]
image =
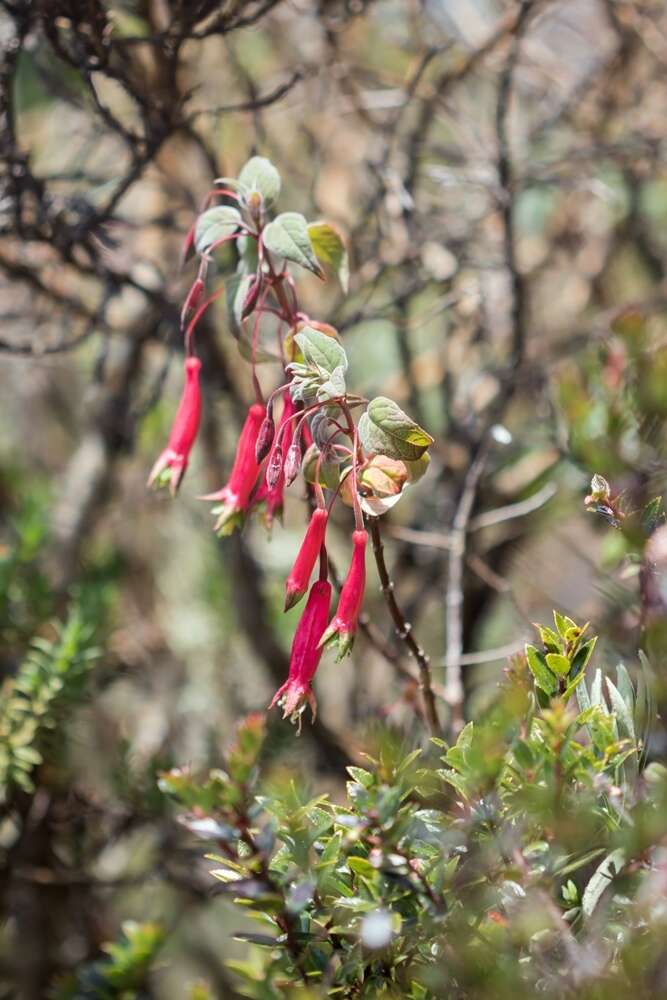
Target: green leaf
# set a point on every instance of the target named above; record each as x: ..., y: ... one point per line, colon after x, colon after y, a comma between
x: 597, y: 697
x: 214, y: 225
x: 623, y: 711
x: 573, y: 686
x: 360, y: 866
x: 384, y: 429
x: 361, y: 775
x: 259, y: 174
x: 544, y: 679
x: 391, y: 419
x: 330, y: 250
x: 652, y: 515
x: 559, y: 664
x: 601, y: 878
x: 572, y: 862
x: 236, y: 289
x: 625, y: 685
x: 321, y: 351
x: 583, y: 655
x: 563, y: 623
x: 418, y: 468
x: 287, y: 236
x: 550, y: 640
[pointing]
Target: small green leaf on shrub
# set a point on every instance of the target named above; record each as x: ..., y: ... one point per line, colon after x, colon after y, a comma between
x: 330, y: 250
x: 259, y: 174
x: 321, y: 351
x: 214, y: 224
x: 287, y: 236
x: 560, y: 665
x: 544, y: 679
x: 385, y: 429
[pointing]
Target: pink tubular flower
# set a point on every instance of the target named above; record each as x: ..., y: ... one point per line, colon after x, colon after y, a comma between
x: 343, y: 627
x: 234, y: 497
x: 172, y: 463
x: 297, y: 582
x: 272, y: 496
x: 305, y: 655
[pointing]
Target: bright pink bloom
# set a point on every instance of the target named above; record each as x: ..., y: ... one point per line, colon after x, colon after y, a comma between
x: 297, y: 582
x: 343, y: 627
x: 172, y: 463
x: 234, y: 497
x: 272, y: 496
x: 305, y: 655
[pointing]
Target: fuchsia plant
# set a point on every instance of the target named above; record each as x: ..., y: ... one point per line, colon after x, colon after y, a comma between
x: 365, y: 464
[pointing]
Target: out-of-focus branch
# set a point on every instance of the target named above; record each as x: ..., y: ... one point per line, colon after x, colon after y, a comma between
x: 404, y: 630
x: 454, y: 692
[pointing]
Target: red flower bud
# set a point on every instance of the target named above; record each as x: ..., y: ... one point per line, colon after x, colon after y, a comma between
x: 251, y: 296
x: 265, y: 438
x: 292, y: 463
x: 234, y: 497
x: 343, y: 626
x: 297, y: 582
x: 305, y: 655
x: 192, y: 300
x: 274, y: 470
x: 188, y: 244
x: 273, y: 497
x: 172, y: 463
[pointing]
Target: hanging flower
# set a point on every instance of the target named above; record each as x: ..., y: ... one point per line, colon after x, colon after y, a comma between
x: 273, y: 496
x: 305, y: 655
x: 234, y: 498
x: 172, y: 463
x: 343, y: 627
x: 297, y: 582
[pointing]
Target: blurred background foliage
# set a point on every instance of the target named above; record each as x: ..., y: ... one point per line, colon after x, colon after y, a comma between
x: 498, y: 169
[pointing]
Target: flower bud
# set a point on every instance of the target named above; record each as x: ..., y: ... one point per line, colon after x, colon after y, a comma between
x: 273, y: 498
x: 192, y: 300
x: 297, y: 582
x: 251, y: 296
x: 265, y: 438
x: 292, y: 463
x: 275, y: 467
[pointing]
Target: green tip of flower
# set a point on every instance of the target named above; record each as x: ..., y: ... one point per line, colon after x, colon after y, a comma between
x: 228, y: 520
x: 340, y: 638
x: 345, y: 644
x: 292, y: 597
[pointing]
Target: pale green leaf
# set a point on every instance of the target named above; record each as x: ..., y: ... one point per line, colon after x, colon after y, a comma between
x: 320, y: 350
x: 538, y: 667
x: 560, y: 665
x: 215, y: 224
x: 330, y: 250
x: 287, y: 237
x: 601, y: 879
x: 259, y: 174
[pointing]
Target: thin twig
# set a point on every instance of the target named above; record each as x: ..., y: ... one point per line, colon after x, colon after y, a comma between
x: 454, y: 692
x: 404, y: 630
x: 262, y: 101
x: 513, y: 510
x: 442, y: 539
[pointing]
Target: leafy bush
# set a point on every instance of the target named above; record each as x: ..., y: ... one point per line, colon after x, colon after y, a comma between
x: 526, y: 856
